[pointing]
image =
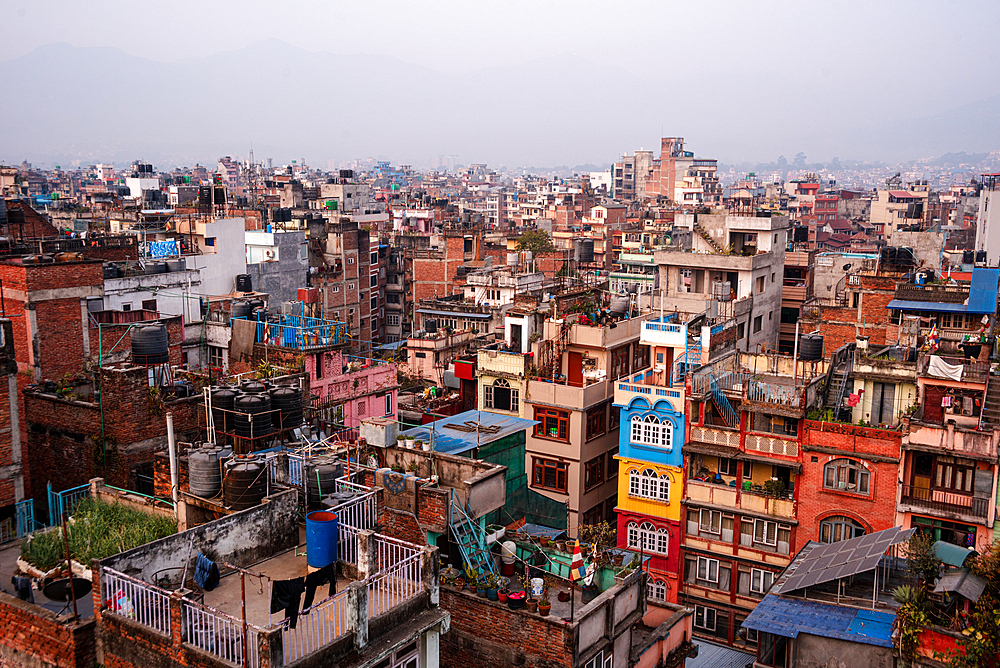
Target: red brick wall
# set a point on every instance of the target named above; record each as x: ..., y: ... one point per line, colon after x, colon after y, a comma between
x: 6, y: 442
x: 116, y: 339
x: 487, y: 633
x: 33, y: 636
x: 877, y: 510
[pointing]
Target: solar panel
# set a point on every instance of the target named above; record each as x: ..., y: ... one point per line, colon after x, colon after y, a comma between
x: 844, y: 558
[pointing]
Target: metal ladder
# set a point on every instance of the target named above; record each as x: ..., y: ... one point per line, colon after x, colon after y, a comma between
x: 471, y: 540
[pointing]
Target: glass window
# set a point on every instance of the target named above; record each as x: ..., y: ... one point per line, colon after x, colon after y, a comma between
x: 846, y: 475
x: 650, y: 430
x: 760, y: 580
x: 550, y: 474
x: 647, y: 538
x: 597, y: 421
x: 552, y: 423
x: 710, y: 521
x: 708, y: 569
x: 704, y: 618
x: 649, y: 485
x: 838, y: 528
x: 593, y: 473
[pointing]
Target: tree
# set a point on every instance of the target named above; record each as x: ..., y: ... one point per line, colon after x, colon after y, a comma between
x: 537, y: 241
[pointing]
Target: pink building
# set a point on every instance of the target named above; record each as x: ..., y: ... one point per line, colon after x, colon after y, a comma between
x: 364, y: 387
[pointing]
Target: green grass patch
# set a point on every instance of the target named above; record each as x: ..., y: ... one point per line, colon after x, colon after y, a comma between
x: 97, y: 530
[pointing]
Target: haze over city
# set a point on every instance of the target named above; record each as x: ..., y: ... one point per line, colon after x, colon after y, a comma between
x: 513, y: 84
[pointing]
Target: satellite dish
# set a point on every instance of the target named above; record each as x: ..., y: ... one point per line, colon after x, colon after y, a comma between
x: 60, y: 590
x: 847, y: 266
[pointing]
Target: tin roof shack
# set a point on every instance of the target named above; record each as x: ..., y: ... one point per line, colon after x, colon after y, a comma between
x: 148, y: 617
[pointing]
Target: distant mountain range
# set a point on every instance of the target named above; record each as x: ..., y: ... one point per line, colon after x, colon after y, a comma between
x: 63, y: 103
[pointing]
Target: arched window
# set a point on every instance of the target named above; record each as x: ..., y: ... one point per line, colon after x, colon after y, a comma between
x: 648, y: 538
x: 649, y: 485
x: 650, y: 430
x: 846, y: 475
x: 656, y: 589
x: 499, y: 396
x: 837, y: 528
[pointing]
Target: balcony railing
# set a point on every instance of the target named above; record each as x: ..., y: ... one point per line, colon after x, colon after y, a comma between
x: 972, y: 370
x: 787, y: 396
x: 943, y: 501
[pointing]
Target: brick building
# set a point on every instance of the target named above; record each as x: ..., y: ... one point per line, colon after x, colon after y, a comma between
x: 435, y: 271
x: 349, y: 270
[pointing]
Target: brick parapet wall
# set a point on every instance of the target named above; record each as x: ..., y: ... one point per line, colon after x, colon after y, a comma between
x: 33, y: 636
x: 488, y: 633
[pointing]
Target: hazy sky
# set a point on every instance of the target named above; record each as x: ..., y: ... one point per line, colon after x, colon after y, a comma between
x: 808, y: 63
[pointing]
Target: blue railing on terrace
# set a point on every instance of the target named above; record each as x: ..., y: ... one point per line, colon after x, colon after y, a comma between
x: 300, y: 332
x: 650, y: 390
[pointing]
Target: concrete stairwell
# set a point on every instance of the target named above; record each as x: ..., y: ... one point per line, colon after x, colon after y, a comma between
x: 705, y: 235
x: 991, y: 407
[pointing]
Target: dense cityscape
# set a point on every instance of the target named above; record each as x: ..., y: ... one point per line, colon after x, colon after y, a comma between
x: 550, y: 335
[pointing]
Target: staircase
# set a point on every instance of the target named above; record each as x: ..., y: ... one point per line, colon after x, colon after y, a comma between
x: 471, y: 540
x: 704, y: 235
x: 991, y: 407
x: 842, y: 365
x: 725, y: 408
x: 551, y: 354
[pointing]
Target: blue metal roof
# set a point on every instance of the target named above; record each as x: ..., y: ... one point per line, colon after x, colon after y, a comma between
x: 456, y: 441
x: 390, y: 346
x: 786, y: 616
x: 453, y: 314
x: 982, y: 296
x: 983, y: 291
x: 713, y: 655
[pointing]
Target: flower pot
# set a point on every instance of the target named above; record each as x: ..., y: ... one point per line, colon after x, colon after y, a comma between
x: 531, y: 604
x: 502, y: 596
x: 481, y: 593
x: 545, y: 541
x: 492, y: 595
x: 561, y: 545
x: 427, y: 446
x: 544, y: 609
x: 515, y: 603
x: 618, y: 559
x: 590, y: 593
x: 563, y: 596
x: 410, y: 442
x: 460, y: 583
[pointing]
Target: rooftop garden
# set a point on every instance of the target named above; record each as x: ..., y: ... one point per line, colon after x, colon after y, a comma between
x: 96, y: 530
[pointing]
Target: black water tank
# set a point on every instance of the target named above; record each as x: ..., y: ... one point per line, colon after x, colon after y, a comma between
x: 220, y: 194
x: 252, y: 417
x: 110, y: 271
x: 176, y: 264
x: 980, y: 256
x: 288, y: 402
x: 811, y: 347
x: 222, y: 406
x: 244, y: 283
x: 256, y: 303
x: 245, y: 483
x: 259, y: 313
x: 156, y: 267
x: 253, y: 387
x: 968, y: 257
x: 149, y: 344
x: 321, y: 479
x: 241, y: 309
x: 431, y: 325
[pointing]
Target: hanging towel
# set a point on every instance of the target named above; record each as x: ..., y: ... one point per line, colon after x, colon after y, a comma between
x: 285, y: 594
x: 938, y: 368
x: 22, y: 586
x: 206, y: 573
x: 317, y: 579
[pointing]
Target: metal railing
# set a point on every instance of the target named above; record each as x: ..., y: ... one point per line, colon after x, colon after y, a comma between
x: 392, y: 551
x: 134, y: 599
x: 972, y: 370
x: 773, y: 393
x: 395, y: 585
x: 358, y: 514
x: 21, y: 524
x: 62, y: 504
x: 945, y: 501
x: 317, y: 625
x: 216, y: 633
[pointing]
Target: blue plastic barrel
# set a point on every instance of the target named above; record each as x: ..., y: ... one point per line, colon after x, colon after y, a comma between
x: 321, y: 538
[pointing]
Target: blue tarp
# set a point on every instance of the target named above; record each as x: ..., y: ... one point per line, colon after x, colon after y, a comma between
x: 982, y: 296
x: 786, y: 616
x: 163, y: 248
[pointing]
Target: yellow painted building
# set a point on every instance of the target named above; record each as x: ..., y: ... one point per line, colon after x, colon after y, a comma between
x: 501, y: 382
x: 650, y: 489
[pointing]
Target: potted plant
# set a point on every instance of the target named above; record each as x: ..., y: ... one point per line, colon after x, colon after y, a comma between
x: 426, y: 446
x: 531, y: 605
x: 418, y: 444
x: 544, y: 605
x: 412, y: 467
x: 400, y: 441
x: 502, y: 594
x: 409, y: 441
x: 491, y: 588
x: 544, y: 541
x: 459, y: 582
x: 482, y: 587
x: 516, y: 600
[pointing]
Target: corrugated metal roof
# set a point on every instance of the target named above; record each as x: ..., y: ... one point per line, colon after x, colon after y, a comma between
x: 983, y: 291
x: 454, y: 441
x: 788, y: 617
x: 961, y: 581
x: 453, y: 314
x: 953, y: 555
x: 936, y: 307
x: 712, y: 655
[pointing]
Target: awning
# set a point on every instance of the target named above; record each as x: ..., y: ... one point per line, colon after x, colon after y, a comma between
x: 962, y: 582
x: 712, y: 450
x: 935, y: 307
x: 761, y: 459
x: 452, y: 314
x: 953, y: 555
x: 538, y: 531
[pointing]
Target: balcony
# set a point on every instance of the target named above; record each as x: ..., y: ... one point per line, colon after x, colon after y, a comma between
x: 773, y: 394
x: 770, y: 445
x: 714, y: 436
x: 940, y: 501
x: 663, y: 333
x: 727, y: 496
x: 948, y: 294
x: 501, y: 363
x: 626, y: 391
x: 569, y: 396
x: 967, y: 370
x: 794, y: 290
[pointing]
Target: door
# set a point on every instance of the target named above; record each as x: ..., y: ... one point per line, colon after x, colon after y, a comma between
x: 574, y: 374
x: 933, y: 412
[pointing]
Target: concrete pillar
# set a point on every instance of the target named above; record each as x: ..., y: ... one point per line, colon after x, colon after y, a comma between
x: 431, y: 575
x: 357, y: 613
x: 85, y: 325
x: 430, y: 649
x: 270, y: 648
x: 367, y: 554
x: 96, y: 485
